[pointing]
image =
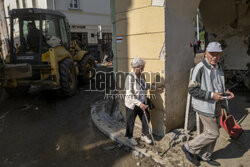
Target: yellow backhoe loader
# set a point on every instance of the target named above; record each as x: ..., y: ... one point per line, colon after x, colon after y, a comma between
x: 42, y: 53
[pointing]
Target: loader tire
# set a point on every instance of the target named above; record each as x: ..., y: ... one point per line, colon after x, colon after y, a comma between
x: 87, y: 68
x: 17, y: 91
x: 68, y: 79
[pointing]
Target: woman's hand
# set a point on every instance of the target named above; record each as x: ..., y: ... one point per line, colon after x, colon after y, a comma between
x: 231, y: 95
x: 143, y: 106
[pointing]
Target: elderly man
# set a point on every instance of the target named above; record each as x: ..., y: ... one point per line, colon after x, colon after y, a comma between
x: 207, y: 88
x: 135, y: 100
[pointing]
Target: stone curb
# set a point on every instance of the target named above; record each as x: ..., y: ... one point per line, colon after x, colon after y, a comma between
x: 116, y: 133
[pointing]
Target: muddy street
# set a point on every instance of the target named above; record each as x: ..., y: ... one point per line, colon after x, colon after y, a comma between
x: 41, y: 129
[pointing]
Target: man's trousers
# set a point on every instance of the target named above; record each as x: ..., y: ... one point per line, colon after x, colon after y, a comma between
x: 205, y: 142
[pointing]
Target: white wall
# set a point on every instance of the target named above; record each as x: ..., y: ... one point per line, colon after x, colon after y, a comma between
x: 90, y: 14
x: 96, y: 6
x: 13, y: 5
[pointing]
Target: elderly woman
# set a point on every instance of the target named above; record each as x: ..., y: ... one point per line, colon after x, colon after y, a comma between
x: 135, y: 100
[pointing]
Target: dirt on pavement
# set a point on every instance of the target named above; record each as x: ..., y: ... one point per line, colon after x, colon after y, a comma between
x: 42, y: 129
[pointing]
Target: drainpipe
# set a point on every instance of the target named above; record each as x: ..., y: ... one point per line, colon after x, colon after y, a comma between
x: 113, y: 18
x: 198, y: 29
x: 54, y: 5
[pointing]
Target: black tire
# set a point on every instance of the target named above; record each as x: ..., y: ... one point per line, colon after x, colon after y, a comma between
x: 87, y: 68
x: 68, y: 79
x: 17, y: 91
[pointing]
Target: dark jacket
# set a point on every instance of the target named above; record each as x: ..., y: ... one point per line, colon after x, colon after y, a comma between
x: 33, y: 39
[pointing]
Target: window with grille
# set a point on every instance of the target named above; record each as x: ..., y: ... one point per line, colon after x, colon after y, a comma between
x: 74, y: 4
x: 106, y: 38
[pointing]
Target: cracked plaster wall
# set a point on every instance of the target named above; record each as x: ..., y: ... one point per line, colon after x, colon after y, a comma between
x: 228, y: 21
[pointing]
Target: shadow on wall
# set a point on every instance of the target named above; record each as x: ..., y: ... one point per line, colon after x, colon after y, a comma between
x: 121, y: 26
x: 121, y: 23
x: 159, y: 105
x: 179, y: 58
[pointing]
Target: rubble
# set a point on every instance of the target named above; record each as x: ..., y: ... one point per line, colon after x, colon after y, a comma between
x: 141, y: 155
x: 104, y: 122
x: 173, y: 138
x: 136, y: 153
x: 127, y: 149
x: 119, y: 146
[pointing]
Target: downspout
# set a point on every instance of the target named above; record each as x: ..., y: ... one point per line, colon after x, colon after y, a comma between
x: 197, y: 28
x: 113, y: 20
x: 54, y: 5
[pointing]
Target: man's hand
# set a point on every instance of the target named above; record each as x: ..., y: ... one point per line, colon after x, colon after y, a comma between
x: 143, y: 106
x: 217, y: 96
x: 231, y: 95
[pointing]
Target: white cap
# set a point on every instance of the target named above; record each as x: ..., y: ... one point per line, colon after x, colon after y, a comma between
x: 214, y: 47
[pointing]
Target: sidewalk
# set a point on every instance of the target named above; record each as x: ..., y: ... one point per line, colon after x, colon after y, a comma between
x: 115, y: 130
x: 228, y: 152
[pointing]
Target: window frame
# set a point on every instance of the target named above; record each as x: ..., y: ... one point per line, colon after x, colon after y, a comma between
x: 56, y: 25
x: 13, y: 55
x: 73, y: 4
x: 61, y: 21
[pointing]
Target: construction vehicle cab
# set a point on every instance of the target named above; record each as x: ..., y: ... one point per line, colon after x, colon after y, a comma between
x: 42, y: 53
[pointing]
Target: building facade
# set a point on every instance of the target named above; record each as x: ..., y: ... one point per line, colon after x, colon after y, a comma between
x: 142, y: 27
x: 84, y: 16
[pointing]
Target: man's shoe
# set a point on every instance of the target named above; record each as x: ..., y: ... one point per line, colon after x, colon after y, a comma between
x: 210, y: 161
x: 132, y: 141
x: 190, y: 156
x: 146, y: 139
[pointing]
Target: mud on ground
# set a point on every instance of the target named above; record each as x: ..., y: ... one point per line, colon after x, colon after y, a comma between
x: 42, y: 129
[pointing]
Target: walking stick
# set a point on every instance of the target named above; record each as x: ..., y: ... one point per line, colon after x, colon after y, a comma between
x: 150, y: 132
